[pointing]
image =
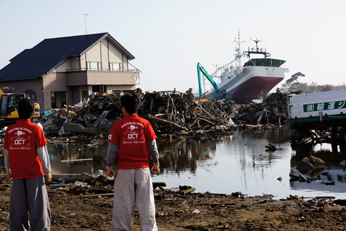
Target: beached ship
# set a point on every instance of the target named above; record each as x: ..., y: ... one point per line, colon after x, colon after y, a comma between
x: 251, y: 80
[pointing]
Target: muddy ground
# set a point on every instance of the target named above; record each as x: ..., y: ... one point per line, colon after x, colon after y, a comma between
x: 90, y: 208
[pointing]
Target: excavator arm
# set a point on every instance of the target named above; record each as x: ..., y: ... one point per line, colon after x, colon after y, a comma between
x: 205, y: 73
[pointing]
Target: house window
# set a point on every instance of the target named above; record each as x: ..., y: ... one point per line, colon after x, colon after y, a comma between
x: 94, y: 66
x: 115, y: 66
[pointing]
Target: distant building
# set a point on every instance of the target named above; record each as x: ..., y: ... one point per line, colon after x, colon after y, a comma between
x: 65, y: 70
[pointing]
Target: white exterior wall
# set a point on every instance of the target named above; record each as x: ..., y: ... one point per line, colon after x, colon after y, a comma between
x: 94, y: 54
x: 126, y: 68
x: 64, y: 66
x: 69, y: 64
x: 104, y: 54
x: 53, y: 82
x: 75, y: 63
x: 110, y: 88
x: 83, y: 62
x: 115, y: 56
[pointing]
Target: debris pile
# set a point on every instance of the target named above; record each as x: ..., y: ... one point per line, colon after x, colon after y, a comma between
x: 273, y: 110
x: 176, y: 113
x: 95, y: 116
x: 171, y: 113
x: 312, y: 137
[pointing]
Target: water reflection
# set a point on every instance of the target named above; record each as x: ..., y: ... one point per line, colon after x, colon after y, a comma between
x: 236, y: 163
x: 239, y: 162
x: 183, y: 155
x: 327, y: 181
x: 67, y: 152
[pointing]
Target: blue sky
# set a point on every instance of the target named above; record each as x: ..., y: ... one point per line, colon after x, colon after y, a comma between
x: 168, y: 38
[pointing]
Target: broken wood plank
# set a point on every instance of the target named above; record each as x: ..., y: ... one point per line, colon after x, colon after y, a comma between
x: 114, y: 102
x: 75, y: 160
x: 59, y: 185
x: 186, y: 191
x: 211, y: 107
x: 173, y: 108
x: 169, y: 117
x: 260, y: 117
x: 205, y: 120
x: 204, y: 110
x: 92, y: 195
x: 99, y: 119
x: 215, y: 120
x: 166, y: 121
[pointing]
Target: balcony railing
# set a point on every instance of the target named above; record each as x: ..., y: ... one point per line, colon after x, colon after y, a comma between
x: 97, y: 69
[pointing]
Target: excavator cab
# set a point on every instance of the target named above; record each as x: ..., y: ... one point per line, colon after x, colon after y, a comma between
x: 9, y: 105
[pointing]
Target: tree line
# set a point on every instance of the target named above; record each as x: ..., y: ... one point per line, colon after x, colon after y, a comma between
x: 310, y: 88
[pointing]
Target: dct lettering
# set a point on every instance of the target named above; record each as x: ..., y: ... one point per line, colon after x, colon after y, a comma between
x: 132, y: 136
x: 19, y: 142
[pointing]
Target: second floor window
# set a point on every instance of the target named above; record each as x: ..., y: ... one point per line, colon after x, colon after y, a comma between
x: 94, y: 66
x: 115, y: 66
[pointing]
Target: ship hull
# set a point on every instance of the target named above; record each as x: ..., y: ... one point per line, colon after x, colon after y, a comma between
x: 250, y: 83
x: 256, y: 87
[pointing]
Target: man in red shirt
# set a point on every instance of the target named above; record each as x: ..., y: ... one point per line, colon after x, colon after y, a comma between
x: 26, y: 155
x: 130, y: 140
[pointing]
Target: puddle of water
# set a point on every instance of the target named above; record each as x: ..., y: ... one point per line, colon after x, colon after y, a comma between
x: 236, y: 163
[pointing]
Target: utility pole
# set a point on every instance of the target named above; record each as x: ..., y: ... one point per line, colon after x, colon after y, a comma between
x: 85, y: 14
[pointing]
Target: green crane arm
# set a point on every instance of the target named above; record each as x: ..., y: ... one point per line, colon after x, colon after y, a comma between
x: 205, y: 73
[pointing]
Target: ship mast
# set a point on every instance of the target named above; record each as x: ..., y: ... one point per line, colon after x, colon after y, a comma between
x: 238, y: 54
x: 257, y: 50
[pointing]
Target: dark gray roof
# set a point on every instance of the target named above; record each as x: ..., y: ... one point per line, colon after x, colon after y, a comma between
x: 35, y: 62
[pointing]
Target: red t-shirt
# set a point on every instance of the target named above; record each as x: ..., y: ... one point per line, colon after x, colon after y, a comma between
x: 21, y: 140
x: 131, y: 133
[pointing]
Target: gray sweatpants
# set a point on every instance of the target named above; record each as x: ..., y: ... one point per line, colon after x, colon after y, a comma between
x: 29, y: 195
x: 133, y: 187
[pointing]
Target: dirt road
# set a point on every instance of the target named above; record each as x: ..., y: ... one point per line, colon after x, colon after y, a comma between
x: 80, y: 209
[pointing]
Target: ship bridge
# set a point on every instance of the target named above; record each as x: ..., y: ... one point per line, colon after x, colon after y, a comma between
x: 265, y: 62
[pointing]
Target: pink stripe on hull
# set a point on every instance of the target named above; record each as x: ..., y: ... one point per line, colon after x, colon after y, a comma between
x: 251, y: 89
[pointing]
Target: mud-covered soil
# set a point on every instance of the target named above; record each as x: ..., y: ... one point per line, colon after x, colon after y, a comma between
x: 90, y: 208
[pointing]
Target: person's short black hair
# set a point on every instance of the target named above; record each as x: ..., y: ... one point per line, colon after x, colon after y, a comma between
x: 25, y: 108
x: 131, y: 102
